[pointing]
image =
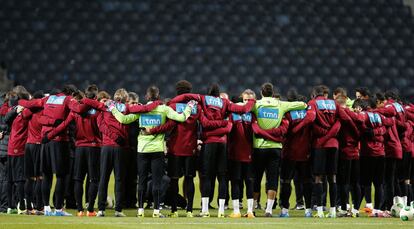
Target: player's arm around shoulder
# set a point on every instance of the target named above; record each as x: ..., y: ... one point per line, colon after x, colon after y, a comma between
x: 124, y: 119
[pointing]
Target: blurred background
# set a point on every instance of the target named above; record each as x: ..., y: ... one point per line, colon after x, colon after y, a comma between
x: 237, y: 43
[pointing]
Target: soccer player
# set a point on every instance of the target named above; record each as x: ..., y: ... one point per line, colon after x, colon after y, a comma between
x: 348, y: 165
x: 267, y: 153
x: 114, y: 144
x: 55, y: 154
x: 373, y: 126
x: 240, y: 156
x: 33, y: 173
x: 295, y: 156
x: 181, y: 147
x: 393, y: 147
x: 325, y: 145
x: 341, y: 92
x: 214, y: 155
x: 151, y: 147
x: 362, y: 93
x: 87, y: 151
x: 18, y: 120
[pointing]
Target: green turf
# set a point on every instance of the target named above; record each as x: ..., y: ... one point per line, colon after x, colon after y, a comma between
x: 296, y: 221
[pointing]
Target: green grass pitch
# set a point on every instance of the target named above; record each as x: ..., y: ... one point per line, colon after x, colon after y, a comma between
x: 295, y: 221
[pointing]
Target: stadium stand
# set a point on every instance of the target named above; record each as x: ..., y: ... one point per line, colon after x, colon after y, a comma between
x: 239, y: 43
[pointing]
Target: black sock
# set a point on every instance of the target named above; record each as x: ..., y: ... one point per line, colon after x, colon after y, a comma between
x: 317, y: 190
x: 20, y: 193
x: 285, y: 191
x: 92, y: 193
x: 307, y: 193
x: 174, y: 193
x: 59, y: 192
x: 333, y: 192
x: 46, y: 185
x: 10, y: 202
x: 38, y: 194
x: 29, y: 193
x: 378, y: 196
x: 78, y: 189
x: 190, y: 193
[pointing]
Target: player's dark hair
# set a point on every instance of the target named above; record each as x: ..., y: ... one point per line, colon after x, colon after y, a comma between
x: 267, y: 90
x: 379, y: 96
x: 133, y: 96
x: 357, y: 103
x: 69, y: 89
x: 391, y: 95
x: 363, y: 91
x: 38, y: 94
x: 340, y: 90
x: 91, y: 91
x: 292, y: 95
x: 153, y: 93
x: 372, y: 103
x: 183, y: 86
x: 214, y: 90
x: 78, y: 95
x: 318, y: 91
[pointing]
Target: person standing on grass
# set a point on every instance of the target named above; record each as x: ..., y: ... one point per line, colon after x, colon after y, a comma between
x: 269, y: 112
x: 214, y: 153
x: 151, y: 148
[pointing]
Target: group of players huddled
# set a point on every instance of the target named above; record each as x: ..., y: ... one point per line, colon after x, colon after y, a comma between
x: 347, y: 145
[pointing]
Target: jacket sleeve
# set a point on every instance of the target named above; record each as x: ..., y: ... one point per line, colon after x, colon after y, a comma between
x: 309, y: 118
x: 211, y: 124
x: 387, y: 111
x: 94, y: 103
x: 333, y: 132
x: 46, y: 121
x: 290, y: 106
x: 185, y: 97
x: 34, y: 103
x: 77, y: 107
x: 124, y: 119
x: 143, y: 108
x: 219, y: 131
x: 168, y: 126
x: 61, y: 127
x: 274, y: 134
x: 27, y: 114
x: 240, y: 109
x: 179, y: 117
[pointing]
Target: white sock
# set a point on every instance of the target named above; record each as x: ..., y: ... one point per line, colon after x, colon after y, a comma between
x: 374, y: 211
x: 355, y: 211
x: 236, y: 206
x: 269, y: 206
x: 320, y: 209
x: 308, y: 210
x: 204, y: 204
x: 332, y: 210
x: 348, y: 206
x: 140, y: 211
x: 250, y: 205
x: 368, y: 205
x: 221, y: 205
x: 156, y: 211
x: 58, y: 210
x: 47, y: 208
x: 285, y: 211
x: 405, y: 200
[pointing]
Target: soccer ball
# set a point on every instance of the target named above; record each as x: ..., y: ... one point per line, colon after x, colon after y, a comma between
x: 407, y: 214
x: 396, y: 208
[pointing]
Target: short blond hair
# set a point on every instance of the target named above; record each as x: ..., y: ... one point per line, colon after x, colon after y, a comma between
x: 249, y: 92
x: 121, y: 95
